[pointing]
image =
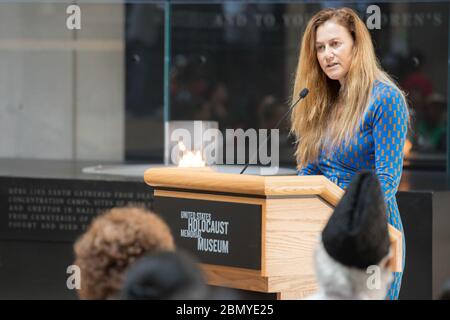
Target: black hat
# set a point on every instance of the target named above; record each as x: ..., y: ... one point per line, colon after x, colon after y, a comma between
x: 357, y: 234
x: 164, y: 276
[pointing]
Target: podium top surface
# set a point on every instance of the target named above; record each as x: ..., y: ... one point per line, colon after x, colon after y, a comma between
x: 206, y: 179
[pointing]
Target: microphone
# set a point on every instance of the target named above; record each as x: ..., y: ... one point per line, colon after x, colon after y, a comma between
x: 302, y: 95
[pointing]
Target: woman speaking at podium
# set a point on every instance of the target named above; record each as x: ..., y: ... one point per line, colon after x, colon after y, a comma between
x: 355, y: 116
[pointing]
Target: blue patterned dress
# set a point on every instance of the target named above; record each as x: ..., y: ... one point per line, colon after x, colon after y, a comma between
x: 379, y: 148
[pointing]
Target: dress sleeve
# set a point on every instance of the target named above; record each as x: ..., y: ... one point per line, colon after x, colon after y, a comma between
x: 390, y: 126
x: 309, y: 170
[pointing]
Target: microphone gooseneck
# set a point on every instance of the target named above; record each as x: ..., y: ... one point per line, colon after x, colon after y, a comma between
x: 301, y: 96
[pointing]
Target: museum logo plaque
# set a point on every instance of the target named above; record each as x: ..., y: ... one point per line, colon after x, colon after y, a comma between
x: 217, y: 232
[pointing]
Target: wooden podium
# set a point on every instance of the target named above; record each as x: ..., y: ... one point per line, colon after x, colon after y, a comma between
x: 255, y: 233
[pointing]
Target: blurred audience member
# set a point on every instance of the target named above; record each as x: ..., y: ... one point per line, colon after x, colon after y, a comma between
x: 113, y: 241
x: 416, y: 83
x: 270, y: 111
x: 353, y: 256
x: 215, y: 107
x: 165, y: 276
x: 432, y: 125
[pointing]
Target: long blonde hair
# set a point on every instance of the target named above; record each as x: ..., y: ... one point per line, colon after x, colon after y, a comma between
x: 313, y: 120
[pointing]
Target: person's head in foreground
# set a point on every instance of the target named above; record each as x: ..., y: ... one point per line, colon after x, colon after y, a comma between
x: 165, y: 276
x: 352, y: 259
x: 337, y: 63
x: 114, y: 241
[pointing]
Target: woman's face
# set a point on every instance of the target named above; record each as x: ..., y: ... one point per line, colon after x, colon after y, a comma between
x: 334, y: 46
